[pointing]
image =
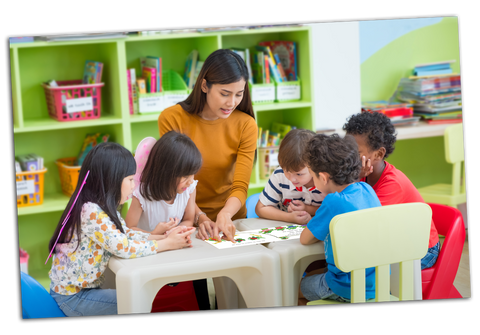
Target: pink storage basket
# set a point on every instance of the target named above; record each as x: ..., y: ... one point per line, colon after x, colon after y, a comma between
x: 72, y: 89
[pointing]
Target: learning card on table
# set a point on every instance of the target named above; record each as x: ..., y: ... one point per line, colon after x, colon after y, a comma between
x: 260, y: 236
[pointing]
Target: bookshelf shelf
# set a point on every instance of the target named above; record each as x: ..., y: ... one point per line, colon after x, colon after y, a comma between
x: 35, y: 132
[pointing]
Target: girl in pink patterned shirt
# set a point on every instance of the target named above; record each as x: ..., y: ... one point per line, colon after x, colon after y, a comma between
x: 95, y: 231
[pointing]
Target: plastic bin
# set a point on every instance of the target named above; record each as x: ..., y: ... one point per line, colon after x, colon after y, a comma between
x: 30, y: 187
x: 72, y: 100
x: 262, y: 93
x: 288, y: 91
x: 174, y: 90
x: 268, y: 160
x: 68, y: 174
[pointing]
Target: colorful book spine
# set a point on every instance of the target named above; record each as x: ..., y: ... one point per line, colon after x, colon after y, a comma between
x: 142, y: 89
x: 150, y: 78
x: 280, y: 67
x: 130, y: 94
x: 133, y: 85
x: 267, y: 70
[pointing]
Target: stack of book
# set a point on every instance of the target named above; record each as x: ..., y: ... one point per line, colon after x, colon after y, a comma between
x: 150, y: 80
x: 277, y: 59
x: 28, y: 162
x: 192, y: 69
x: 272, y: 138
x: 92, y: 72
x: 401, y: 114
x: 435, y: 99
x: 433, y: 69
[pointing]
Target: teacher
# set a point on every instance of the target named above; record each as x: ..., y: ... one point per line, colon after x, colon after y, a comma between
x: 218, y: 116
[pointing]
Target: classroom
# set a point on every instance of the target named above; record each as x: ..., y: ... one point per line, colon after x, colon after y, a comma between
x: 301, y: 77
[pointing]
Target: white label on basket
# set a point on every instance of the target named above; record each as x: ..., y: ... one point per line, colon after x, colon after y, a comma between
x: 263, y: 93
x: 273, y: 159
x: 151, y: 104
x: 288, y: 92
x: 25, y: 187
x: 79, y: 105
x: 173, y: 99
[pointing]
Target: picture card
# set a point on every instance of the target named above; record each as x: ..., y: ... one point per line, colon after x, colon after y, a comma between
x: 259, y: 236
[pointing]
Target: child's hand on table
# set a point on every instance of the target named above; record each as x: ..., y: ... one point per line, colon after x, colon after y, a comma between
x: 163, y: 227
x: 300, y: 217
x: 179, y: 237
x: 296, y: 205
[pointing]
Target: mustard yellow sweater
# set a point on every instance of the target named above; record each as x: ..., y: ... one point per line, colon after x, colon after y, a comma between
x: 228, y: 150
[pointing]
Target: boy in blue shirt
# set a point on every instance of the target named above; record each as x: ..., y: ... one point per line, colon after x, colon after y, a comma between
x: 335, y: 166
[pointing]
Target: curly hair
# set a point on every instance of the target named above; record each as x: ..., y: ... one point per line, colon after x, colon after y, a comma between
x: 334, y: 155
x: 377, y: 128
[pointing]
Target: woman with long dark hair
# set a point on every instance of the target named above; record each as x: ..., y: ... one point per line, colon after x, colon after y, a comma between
x: 218, y: 116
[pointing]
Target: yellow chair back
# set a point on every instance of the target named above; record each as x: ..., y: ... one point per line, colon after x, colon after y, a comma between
x: 378, y: 237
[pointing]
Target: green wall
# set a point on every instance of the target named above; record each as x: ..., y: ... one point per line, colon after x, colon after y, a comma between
x: 422, y: 160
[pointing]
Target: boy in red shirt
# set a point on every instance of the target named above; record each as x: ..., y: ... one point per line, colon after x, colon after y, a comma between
x: 375, y: 136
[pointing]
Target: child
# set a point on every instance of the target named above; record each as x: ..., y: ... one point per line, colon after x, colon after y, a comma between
x: 165, y: 197
x: 335, y: 166
x: 94, y: 231
x: 290, y: 194
x: 375, y: 136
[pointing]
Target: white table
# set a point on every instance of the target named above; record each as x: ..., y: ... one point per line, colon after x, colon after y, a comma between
x: 295, y: 258
x: 254, y: 269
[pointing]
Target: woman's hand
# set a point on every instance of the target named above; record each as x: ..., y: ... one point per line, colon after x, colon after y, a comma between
x: 224, y: 223
x: 205, y: 228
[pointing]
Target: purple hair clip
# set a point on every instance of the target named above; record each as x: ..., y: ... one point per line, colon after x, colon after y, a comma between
x: 67, y: 217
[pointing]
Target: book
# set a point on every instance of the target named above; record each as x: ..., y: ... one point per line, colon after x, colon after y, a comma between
x: 133, y: 86
x: 281, y: 129
x: 89, y: 142
x: 444, y: 121
x: 435, y: 63
x: 264, y: 138
x: 287, y: 52
x: 259, y: 138
x: 190, y: 66
x: 78, y: 37
x: 92, y: 72
x: 198, y: 68
x: 30, y: 162
x: 150, y: 62
x: 149, y: 74
x: 130, y: 94
x: 245, y: 54
x: 266, y: 67
x: 259, y: 236
x: 158, y: 74
x: 280, y: 67
x: 271, y: 62
x: 427, y: 73
x: 142, y: 89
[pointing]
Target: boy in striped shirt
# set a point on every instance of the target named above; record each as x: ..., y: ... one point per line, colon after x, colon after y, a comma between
x: 290, y: 194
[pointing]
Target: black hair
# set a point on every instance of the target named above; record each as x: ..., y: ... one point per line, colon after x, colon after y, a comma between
x: 109, y: 163
x: 334, y: 155
x: 223, y: 66
x: 172, y: 157
x: 377, y: 128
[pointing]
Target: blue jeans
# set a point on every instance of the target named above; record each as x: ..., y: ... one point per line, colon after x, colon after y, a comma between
x: 87, y: 302
x: 315, y: 287
x: 431, y: 257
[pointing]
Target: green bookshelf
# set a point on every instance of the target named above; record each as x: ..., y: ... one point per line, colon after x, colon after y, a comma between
x: 34, y: 131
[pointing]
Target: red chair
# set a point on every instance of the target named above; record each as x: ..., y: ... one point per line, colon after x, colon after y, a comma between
x: 437, y: 281
x: 175, y: 299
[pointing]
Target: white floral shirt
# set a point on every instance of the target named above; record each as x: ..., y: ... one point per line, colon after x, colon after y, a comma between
x: 84, y: 267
